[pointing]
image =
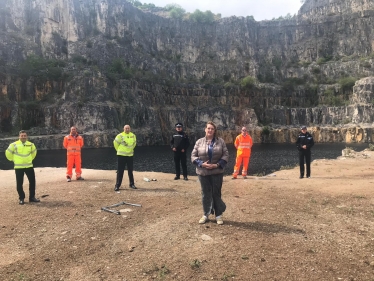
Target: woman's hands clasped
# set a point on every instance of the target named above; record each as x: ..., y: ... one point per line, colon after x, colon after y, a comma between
x: 209, y: 166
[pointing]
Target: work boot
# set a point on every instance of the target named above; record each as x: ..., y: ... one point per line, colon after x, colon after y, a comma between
x: 80, y: 179
x: 33, y: 199
x: 68, y: 179
x: 21, y: 202
x: 116, y: 188
x: 185, y: 178
x: 177, y: 178
x: 133, y: 186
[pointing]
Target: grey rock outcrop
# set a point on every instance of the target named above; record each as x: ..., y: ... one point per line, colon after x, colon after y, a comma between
x: 100, y: 64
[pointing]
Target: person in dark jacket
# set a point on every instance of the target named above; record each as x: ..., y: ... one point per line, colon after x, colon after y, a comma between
x: 179, y: 143
x: 304, y: 143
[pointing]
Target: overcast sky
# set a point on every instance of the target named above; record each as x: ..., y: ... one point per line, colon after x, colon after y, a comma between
x: 259, y: 9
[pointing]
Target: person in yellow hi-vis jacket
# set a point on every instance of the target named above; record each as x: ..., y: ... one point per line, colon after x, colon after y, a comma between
x: 22, y: 153
x: 243, y: 143
x: 125, y: 143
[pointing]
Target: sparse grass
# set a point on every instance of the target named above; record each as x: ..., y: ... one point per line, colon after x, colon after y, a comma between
x: 287, y: 167
x: 163, y: 271
x: 195, y: 264
x: 371, y: 147
x: 314, y: 201
x: 359, y: 196
x: 325, y: 201
x: 350, y: 211
x: 350, y: 149
x: 20, y: 277
x: 227, y: 276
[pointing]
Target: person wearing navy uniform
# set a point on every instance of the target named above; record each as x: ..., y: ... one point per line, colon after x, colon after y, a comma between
x: 179, y: 144
x: 304, y: 143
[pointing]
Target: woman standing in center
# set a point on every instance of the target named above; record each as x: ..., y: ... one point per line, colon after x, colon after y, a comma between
x: 210, y: 155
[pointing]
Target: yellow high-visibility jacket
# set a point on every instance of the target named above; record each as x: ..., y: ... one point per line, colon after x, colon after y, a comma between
x: 21, y: 154
x: 125, y: 144
x: 243, y: 144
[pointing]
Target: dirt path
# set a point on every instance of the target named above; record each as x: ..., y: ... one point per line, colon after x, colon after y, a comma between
x: 276, y: 227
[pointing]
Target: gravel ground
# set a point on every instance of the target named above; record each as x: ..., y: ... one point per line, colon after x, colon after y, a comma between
x: 277, y: 227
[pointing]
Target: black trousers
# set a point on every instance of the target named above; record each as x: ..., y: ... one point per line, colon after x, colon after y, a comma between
x: 30, y: 173
x: 180, y: 157
x: 307, y: 155
x: 122, y: 162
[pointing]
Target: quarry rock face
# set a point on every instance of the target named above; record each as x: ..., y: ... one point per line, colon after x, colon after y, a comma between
x: 99, y: 65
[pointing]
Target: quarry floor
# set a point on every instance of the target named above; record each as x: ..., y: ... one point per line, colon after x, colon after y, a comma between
x: 276, y: 227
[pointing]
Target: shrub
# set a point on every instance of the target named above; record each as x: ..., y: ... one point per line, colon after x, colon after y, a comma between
x: 29, y: 105
x: 147, y: 6
x: 347, y: 83
x: 265, y: 131
x: 304, y: 63
x: 290, y: 83
x: 30, y: 30
x: 228, y: 85
x: 365, y: 64
x: 323, y: 60
x: 175, y: 11
x: 78, y: 59
x: 117, y: 71
x: 42, y: 69
x: 316, y: 70
x: 202, y: 17
x: 248, y: 82
x: 277, y: 62
x: 332, y: 100
x: 135, y: 3
x: 226, y: 77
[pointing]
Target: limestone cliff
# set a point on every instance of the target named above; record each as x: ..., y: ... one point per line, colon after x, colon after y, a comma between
x: 100, y: 64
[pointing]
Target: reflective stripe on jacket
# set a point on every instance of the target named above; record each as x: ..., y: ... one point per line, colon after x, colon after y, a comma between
x: 21, y: 154
x: 125, y: 144
x: 243, y: 144
x: 73, y: 144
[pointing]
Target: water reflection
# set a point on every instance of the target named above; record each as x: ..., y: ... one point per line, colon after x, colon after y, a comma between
x: 265, y: 158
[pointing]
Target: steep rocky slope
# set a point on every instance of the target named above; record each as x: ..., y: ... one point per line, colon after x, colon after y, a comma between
x: 101, y: 64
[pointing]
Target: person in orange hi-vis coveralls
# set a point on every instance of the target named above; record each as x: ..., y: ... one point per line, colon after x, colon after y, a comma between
x: 73, y: 144
x: 243, y: 143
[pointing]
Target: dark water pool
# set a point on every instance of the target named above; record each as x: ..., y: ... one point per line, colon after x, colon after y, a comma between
x: 265, y: 158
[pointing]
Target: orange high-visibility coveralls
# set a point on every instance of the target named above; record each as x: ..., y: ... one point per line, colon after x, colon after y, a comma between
x: 243, y: 144
x: 73, y: 145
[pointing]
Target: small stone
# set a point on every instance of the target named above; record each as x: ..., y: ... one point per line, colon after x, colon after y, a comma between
x: 206, y: 237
